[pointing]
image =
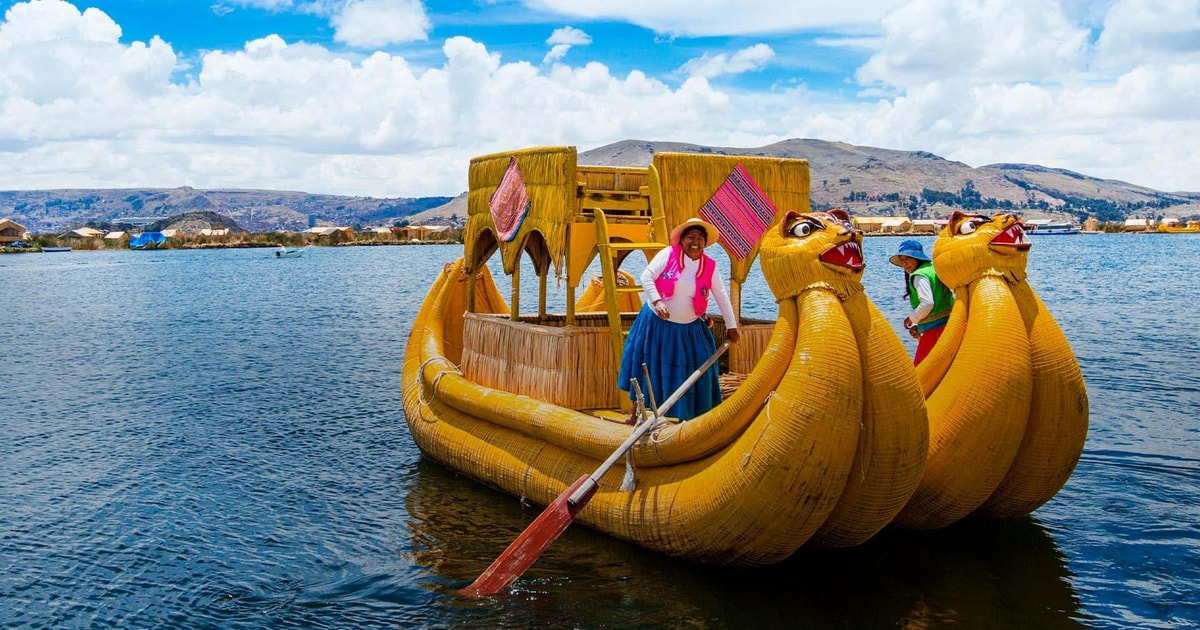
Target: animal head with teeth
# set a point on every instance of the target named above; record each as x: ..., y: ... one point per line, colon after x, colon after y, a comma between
x: 814, y: 249
x: 974, y: 245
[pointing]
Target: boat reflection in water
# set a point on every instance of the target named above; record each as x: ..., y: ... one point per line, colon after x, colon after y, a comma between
x: 977, y: 573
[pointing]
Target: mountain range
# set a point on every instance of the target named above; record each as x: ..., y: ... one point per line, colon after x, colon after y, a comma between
x: 43, y: 211
x: 867, y: 181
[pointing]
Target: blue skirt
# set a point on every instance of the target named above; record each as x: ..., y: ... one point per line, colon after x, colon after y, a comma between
x: 671, y: 353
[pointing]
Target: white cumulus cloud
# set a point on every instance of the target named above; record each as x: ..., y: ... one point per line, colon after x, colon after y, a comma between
x: 979, y: 81
x: 744, y: 60
x: 980, y: 40
x: 374, y: 23
x: 561, y: 41
x: 721, y: 17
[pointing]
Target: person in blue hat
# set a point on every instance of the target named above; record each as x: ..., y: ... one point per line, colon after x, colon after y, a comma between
x: 930, y: 299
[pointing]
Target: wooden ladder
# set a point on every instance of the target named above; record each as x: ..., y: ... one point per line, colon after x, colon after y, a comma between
x: 609, y: 250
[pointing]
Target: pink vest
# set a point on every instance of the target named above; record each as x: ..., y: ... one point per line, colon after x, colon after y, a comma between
x: 665, y: 282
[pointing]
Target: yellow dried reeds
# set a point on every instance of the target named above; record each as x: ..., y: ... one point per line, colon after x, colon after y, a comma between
x: 543, y: 358
x: 592, y: 298
x: 755, y: 335
x: 750, y: 347
x: 549, y: 176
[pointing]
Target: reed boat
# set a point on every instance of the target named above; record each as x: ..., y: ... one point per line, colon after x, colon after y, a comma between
x: 822, y: 441
x: 1174, y: 227
x: 1007, y: 403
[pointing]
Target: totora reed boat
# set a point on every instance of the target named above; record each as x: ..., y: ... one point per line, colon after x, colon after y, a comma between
x: 825, y: 435
x: 1174, y: 226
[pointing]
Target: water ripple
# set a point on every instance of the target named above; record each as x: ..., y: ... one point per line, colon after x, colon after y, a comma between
x: 216, y: 440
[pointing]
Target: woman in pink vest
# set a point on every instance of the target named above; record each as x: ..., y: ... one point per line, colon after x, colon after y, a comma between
x: 671, y: 334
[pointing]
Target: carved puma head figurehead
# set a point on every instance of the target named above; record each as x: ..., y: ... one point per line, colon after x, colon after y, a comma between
x: 974, y: 245
x: 803, y: 251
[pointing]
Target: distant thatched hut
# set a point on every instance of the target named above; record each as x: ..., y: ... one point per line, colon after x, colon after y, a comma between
x: 423, y: 232
x: 1139, y: 225
x: 332, y: 234
x: 927, y: 226
x: 11, y: 232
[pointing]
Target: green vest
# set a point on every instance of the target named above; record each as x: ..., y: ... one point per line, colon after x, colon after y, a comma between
x: 943, y: 298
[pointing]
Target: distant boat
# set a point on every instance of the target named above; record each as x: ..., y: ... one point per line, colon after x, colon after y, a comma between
x: 51, y: 250
x: 285, y: 252
x: 1051, y: 227
x: 1173, y: 227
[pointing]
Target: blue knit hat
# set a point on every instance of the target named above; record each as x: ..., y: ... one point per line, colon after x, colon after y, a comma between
x: 913, y: 250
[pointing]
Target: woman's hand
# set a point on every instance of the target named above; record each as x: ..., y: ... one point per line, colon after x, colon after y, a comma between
x: 660, y: 309
x: 733, y: 335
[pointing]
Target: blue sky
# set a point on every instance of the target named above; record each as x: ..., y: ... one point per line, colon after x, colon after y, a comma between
x: 392, y: 97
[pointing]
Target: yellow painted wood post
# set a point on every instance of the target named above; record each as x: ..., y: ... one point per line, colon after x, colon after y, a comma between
x: 470, y: 290
x: 542, y: 295
x: 516, y: 293
x: 608, y: 274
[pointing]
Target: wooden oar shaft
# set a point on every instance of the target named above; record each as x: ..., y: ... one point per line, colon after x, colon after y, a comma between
x: 691, y: 380
x: 557, y: 516
x: 642, y: 428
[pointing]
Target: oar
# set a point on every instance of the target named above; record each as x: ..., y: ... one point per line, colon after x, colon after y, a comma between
x: 557, y: 516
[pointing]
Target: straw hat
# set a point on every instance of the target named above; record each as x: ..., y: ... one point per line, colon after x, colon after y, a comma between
x: 711, y: 235
x: 913, y: 250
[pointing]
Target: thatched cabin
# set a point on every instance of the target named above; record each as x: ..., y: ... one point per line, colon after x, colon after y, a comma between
x: 1139, y: 225
x: 423, y: 233
x: 11, y: 232
x: 332, y: 234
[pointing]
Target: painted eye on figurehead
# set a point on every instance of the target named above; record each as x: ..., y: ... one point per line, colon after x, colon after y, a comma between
x: 970, y: 225
x: 805, y: 226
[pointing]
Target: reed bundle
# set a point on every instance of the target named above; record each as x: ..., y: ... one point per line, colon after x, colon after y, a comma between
x: 755, y: 335
x: 549, y: 177
x: 543, y: 358
x: 592, y: 298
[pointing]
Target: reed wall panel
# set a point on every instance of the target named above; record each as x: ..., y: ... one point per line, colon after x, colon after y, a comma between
x: 755, y: 336
x: 570, y: 366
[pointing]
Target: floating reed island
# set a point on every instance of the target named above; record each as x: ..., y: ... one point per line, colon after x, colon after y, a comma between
x: 829, y: 433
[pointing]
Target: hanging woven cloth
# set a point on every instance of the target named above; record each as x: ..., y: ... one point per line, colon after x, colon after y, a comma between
x: 509, y: 203
x: 740, y: 211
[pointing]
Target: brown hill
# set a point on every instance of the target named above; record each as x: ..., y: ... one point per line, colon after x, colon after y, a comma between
x: 451, y: 212
x: 873, y: 181
x: 864, y: 180
x: 254, y: 210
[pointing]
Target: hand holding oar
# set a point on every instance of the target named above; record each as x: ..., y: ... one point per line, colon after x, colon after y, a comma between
x: 557, y: 516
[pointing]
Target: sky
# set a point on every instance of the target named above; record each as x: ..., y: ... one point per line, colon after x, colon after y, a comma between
x: 391, y: 98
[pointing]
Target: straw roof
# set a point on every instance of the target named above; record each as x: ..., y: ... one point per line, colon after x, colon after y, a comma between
x: 549, y: 177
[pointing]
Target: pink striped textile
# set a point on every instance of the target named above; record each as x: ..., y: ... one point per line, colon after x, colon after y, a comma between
x: 509, y: 203
x: 740, y: 211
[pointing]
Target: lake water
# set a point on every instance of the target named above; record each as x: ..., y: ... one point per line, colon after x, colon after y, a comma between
x: 216, y: 439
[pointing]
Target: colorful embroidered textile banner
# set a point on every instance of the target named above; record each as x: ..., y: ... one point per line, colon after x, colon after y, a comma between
x: 740, y: 211
x: 509, y: 203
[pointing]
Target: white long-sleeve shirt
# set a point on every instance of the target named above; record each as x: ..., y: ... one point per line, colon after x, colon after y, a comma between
x: 924, y: 291
x: 680, y: 304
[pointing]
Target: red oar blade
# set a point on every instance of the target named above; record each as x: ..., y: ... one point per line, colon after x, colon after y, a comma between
x: 530, y: 545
